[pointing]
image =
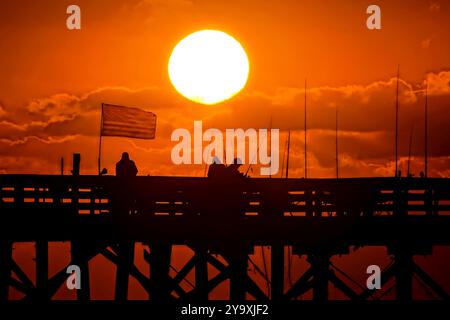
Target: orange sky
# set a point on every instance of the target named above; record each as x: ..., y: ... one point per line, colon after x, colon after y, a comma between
x: 53, y: 80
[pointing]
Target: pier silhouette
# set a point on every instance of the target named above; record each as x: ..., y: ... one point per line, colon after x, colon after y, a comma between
x: 319, y: 218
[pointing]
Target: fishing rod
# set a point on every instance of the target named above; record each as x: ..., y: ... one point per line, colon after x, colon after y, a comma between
x: 257, y: 149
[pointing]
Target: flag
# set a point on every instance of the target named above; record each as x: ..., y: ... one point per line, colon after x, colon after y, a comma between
x: 119, y: 121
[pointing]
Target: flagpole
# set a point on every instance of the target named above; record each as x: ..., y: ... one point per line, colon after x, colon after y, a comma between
x: 426, y: 131
x: 270, y: 146
x: 207, y: 160
x: 408, y: 171
x: 337, y: 145
x: 284, y: 157
x: 396, y: 124
x: 306, y: 158
x: 288, y: 153
x: 100, y: 143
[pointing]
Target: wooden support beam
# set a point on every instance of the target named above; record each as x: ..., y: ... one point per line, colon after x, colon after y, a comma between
x: 277, y: 276
x: 5, y: 268
x: 320, y: 265
x: 125, y: 256
x: 161, y: 254
x: 42, y: 270
x: 403, y: 275
x: 201, y: 273
x: 238, y: 265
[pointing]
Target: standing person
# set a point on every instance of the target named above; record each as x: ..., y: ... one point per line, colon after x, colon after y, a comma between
x: 125, y: 196
x: 126, y: 168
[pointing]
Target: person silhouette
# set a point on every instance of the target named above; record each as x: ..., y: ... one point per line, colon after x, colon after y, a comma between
x: 216, y: 169
x: 125, y: 194
x: 233, y: 169
x: 126, y: 168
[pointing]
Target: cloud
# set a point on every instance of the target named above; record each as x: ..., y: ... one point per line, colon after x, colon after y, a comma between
x: 63, y: 114
x: 46, y: 129
x: 2, y: 111
x: 434, y: 7
x: 362, y: 108
x: 438, y: 83
x: 59, y: 106
x: 48, y: 140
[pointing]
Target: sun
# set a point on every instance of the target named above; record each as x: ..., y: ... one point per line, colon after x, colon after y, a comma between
x: 208, y: 67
